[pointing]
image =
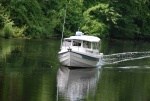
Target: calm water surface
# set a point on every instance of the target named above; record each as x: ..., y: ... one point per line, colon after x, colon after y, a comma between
x: 30, y: 71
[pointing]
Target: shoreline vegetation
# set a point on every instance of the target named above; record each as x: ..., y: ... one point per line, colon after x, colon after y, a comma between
x: 42, y: 19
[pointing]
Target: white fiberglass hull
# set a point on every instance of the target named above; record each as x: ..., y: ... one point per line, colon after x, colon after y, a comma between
x: 76, y: 59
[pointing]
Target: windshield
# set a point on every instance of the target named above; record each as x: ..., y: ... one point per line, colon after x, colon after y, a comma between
x: 67, y: 43
x: 76, y: 43
x: 86, y: 44
x: 95, y: 45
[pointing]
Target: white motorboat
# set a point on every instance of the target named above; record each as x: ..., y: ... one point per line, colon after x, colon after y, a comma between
x: 80, y: 51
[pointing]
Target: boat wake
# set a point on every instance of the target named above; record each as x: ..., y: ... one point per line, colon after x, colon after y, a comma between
x: 121, y: 57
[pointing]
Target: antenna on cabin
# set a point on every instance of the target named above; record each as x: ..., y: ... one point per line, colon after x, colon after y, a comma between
x: 78, y: 28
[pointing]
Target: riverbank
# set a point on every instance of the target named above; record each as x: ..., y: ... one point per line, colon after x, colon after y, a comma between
x: 54, y: 37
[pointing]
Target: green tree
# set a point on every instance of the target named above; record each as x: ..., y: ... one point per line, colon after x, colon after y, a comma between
x: 7, y: 26
x: 44, y: 18
x: 134, y: 21
x: 98, y: 19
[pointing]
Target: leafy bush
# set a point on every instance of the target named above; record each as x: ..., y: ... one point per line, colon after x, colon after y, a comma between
x: 19, y: 32
x: 7, y: 26
x: 7, y: 31
x: 98, y: 19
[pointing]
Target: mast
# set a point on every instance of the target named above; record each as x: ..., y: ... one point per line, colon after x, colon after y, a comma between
x: 63, y: 26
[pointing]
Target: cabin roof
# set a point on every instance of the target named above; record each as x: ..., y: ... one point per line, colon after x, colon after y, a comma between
x: 84, y: 38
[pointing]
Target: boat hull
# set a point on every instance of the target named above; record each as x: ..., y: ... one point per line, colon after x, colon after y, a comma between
x: 76, y: 59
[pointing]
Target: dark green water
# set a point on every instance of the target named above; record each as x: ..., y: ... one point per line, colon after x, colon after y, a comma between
x: 30, y: 71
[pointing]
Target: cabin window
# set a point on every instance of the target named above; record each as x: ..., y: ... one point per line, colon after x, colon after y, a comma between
x: 94, y: 45
x: 76, y: 43
x: 67, y: 43
x: 86, y: 44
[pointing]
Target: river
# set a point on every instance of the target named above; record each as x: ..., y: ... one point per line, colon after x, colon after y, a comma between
x: 30, y: 71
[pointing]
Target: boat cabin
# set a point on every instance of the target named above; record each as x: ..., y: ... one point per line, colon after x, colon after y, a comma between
x: 82, y: 43
x: 79, y: 43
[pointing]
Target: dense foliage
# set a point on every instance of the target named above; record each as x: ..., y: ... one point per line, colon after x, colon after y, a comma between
x: 104, y: 18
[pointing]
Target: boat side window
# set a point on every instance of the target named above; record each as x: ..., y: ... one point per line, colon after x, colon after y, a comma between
x: 94, y: 45
x: 76, y: 43
x: 67, y: 43
x: 86, y: 44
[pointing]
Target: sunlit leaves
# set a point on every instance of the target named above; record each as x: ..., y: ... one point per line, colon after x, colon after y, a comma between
x: 7, y: 26
x: 97, y: 19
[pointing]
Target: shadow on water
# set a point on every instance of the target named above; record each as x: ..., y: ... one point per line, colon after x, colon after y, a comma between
x: 77, y: 84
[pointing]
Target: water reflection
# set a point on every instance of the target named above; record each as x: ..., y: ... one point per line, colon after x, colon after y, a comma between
x: 77, y: 84
x: 29, y: 71
x: 124, y: 83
